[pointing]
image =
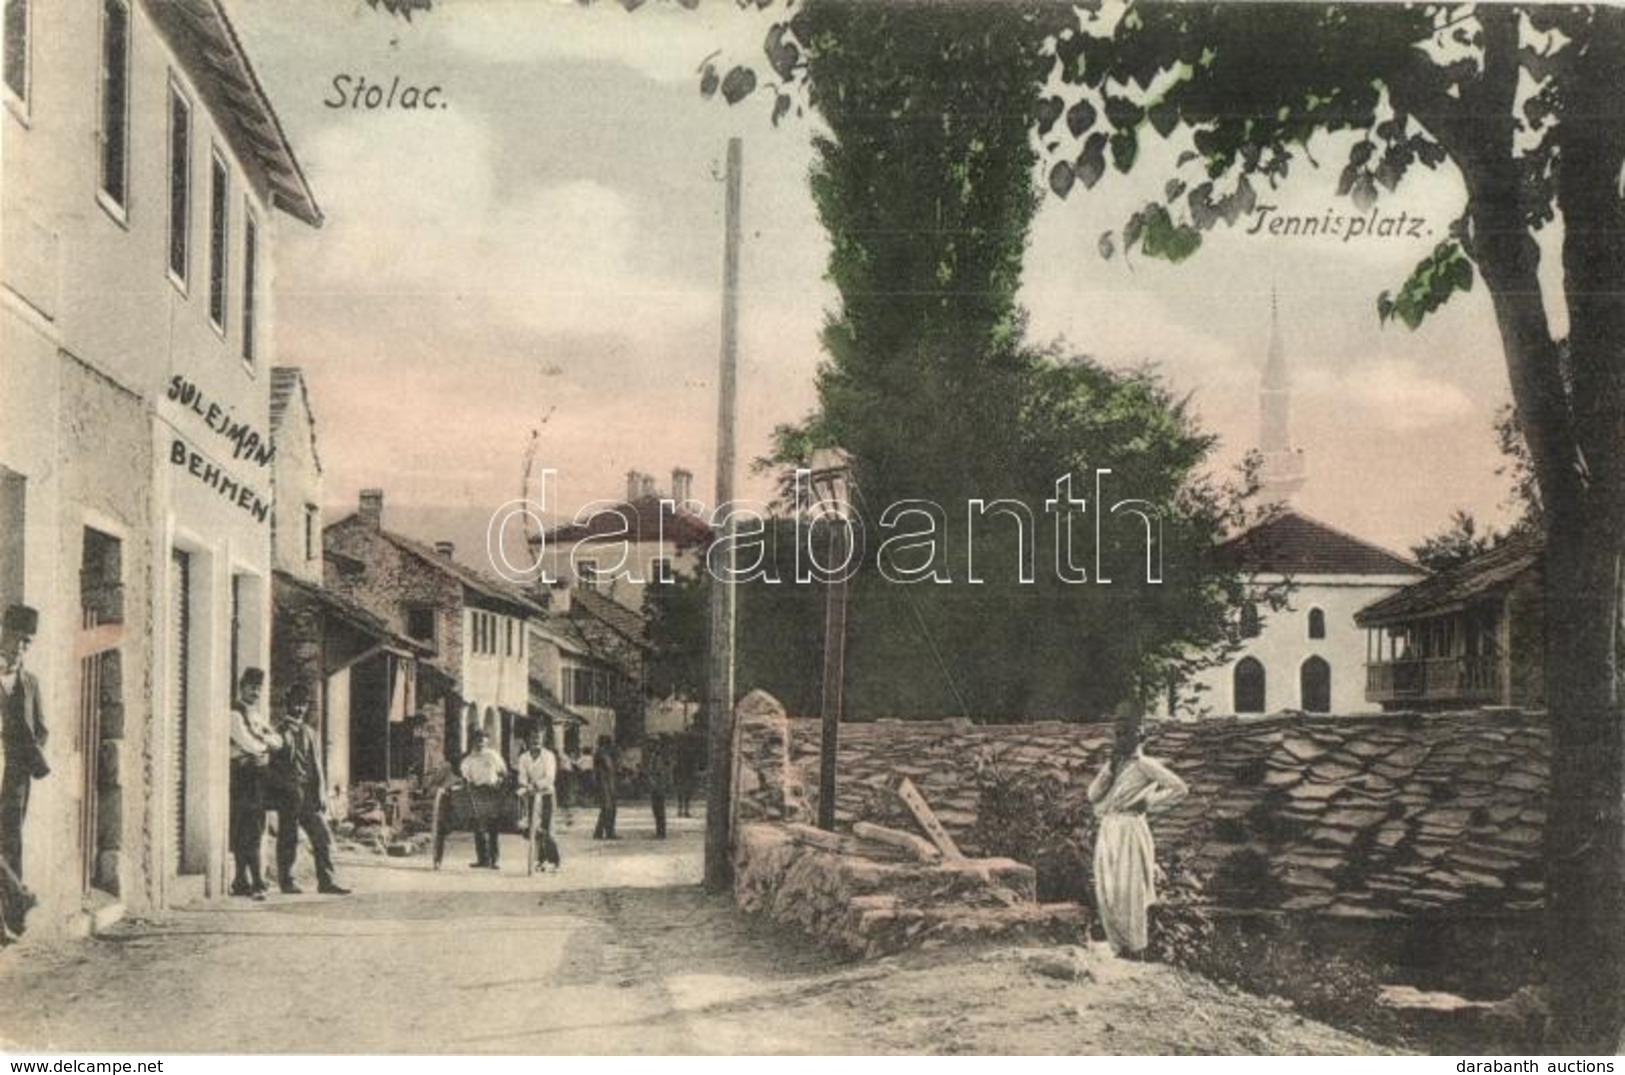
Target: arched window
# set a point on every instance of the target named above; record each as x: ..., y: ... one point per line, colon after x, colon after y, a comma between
x: 491, y: 725
x: 1249, y: 686
x: 1315, y: 682
x: 1250, y: 624
x: 1317, y: 623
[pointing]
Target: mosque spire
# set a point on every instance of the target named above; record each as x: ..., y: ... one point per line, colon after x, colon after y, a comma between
x: 1284, y: 471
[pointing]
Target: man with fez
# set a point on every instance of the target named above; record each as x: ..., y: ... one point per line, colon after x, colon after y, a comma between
x: 297, y: 792
x: 22, y: 746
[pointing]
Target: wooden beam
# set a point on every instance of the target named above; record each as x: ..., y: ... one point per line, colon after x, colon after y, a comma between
x: 921, y: 850
x: 927, y: 818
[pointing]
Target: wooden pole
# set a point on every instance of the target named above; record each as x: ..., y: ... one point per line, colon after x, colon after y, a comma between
x: 719, y: 694
x: 834, y: 675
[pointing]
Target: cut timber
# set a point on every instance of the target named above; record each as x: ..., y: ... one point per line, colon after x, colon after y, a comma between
x: 809, y: 834
x: 921, y: 850
x: 926, y: 817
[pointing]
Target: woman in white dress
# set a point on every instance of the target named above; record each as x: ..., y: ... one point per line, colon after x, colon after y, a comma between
x: 1128, y: 788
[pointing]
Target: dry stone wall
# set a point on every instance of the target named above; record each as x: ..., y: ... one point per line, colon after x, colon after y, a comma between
x: 1378, y: 816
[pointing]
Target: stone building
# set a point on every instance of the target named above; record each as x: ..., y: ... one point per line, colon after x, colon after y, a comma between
x: 143, y: 171
x: 476, y: 666
x: 318, y: 637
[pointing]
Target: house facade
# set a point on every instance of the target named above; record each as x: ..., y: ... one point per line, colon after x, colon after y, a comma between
x: 1308, y: 655
x: 618, y: 549
x: 475, y: 668
x: 348, y: 659
x: 1470, y: 636
x: 144, y: 179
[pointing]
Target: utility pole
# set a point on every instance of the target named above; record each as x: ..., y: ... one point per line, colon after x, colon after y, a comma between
x: 719, y: 692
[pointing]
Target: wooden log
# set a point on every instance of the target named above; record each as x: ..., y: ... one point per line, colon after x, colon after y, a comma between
x: 811, y: 834
x: 927, y: 818
x: 921, y: 850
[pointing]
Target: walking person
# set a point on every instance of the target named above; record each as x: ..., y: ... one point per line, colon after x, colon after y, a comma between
x: 538, y: 774
x: 22, y: 759
x: 297, y: 792
x: 606, y: 768
x: 483, y: 767
x: 252, y: 741
x: 1128, y: 788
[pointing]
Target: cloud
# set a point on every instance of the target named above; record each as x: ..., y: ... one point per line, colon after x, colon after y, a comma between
x: 1386, y: 394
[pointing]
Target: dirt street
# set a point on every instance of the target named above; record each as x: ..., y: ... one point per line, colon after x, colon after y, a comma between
x: 619, y: 953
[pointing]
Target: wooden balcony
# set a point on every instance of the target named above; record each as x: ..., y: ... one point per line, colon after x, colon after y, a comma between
x: 1435, y: 680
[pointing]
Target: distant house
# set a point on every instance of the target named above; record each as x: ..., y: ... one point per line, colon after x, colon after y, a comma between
x: 588, y: 659
x: 619, y: 549
x: 1308, y: 656
x: 1470, y: 636
x: 346, y: 657
x: 477, y: 671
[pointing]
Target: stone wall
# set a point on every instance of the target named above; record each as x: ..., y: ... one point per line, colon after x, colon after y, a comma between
x: 1419, y: 834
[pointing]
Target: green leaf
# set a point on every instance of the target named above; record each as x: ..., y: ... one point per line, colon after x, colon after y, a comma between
x: 1061, y: 178
x: 1106, y: 246
x: 739, y: 84
x: 1364, y: 192
x: 1164, y: 116
x: 1080, y: 117
x: 1049, y: 110
x: 1091, y: 164
x: 1123, y: 113
x: 1125, y: 147
x: 709, y: 81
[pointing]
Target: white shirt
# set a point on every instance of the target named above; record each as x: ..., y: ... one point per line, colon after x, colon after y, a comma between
x: 538, y: 771
x: 484, y: 768
x: 252, y: 735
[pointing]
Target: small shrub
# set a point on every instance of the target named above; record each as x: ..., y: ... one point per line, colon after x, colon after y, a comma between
x: 1042, y: 819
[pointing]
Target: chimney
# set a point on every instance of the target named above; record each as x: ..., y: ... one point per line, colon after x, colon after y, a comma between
x: 682, y: 485
x: 646, y: 485
x: 634, y: 485
x: 445, y: 548
x: 372, y: 507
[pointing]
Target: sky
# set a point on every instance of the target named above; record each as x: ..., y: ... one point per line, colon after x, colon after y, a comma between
x: 544, y: 253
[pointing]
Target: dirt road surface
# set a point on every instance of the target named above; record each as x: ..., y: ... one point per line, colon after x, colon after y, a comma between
x: 621, y: 952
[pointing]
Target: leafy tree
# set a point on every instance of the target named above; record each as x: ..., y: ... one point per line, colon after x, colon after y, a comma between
x: 1527, y: 105
x: 1456, y: 544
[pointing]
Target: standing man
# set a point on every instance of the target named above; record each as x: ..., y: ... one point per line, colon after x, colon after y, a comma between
x: 606, y: 766
x: 483, y: 767
x: 299, y: 796
x: 252, y: 741
x: 22, y: 761
x: 538, y: 771
x: 658, y: 765
x: 689, y: 749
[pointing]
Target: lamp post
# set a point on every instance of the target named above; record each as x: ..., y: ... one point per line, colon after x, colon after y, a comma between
x: 831, y: 478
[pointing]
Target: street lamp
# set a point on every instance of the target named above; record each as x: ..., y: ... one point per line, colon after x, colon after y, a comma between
x: 831, y: 480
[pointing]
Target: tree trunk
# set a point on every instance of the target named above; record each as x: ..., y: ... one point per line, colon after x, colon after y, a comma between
x: 1585, y: 826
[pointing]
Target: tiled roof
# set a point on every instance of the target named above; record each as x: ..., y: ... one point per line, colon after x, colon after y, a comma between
x: 630, y: 625
x: 354, y: 615
x: 474, y: 580
x: 203, y: 36
x: 284, y: 381
x: 1359, y: 816
x: 1294, y: 544
x: 1484, y: 575
x: 648, y: 518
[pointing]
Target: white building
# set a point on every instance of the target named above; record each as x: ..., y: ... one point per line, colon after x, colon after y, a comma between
x: 142, y: 169
x: 1309, y: 655
x: 618, y: 549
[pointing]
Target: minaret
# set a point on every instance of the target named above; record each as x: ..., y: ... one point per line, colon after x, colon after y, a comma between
x: 1283, y: 473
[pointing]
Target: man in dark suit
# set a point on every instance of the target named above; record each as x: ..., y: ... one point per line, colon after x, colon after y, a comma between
x: 22, y: 731
x: 299, y: 796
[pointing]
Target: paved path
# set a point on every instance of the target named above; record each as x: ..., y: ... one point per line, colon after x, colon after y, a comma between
x: 622, y: 952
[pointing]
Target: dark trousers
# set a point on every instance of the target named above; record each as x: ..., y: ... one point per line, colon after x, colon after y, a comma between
x: 544, y: 825
x: 605, y: 829
x: 685, y: 799
x: 14, y: 789
x: 290, y: 818
x: 487, y: 842
x: 657, y: 803
x: 247, y: 819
